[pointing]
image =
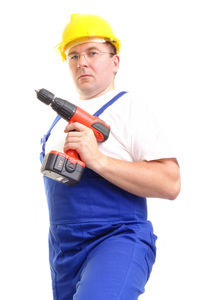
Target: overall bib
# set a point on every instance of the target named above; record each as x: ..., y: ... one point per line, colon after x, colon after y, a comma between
x: 101, y: 246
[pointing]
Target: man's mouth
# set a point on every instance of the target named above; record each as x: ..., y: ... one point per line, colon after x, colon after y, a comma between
x: 84, y: 76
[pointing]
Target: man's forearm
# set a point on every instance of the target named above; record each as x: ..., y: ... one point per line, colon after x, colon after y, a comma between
x: 159, y: 179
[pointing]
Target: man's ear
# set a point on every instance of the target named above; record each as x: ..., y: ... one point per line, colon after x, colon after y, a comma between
x: 116, y: 62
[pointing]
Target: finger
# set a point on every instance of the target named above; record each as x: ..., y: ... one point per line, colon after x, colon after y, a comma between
x: 72, y: 134
x: 73, y: 139
x: 75, y: 126
x: 71, y: 146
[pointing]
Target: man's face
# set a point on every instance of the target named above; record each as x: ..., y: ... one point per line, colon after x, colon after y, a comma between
x: 93, y: 68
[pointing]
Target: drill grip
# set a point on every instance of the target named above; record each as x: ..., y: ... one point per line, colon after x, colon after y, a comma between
x: 100, y: 128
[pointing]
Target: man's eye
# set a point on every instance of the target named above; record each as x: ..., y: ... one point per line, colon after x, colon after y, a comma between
x: 92, y: 53
x: 73, y: 57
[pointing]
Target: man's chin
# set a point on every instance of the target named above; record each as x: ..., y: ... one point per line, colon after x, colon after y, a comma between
x: 85, y: 91
x: 86, y: 86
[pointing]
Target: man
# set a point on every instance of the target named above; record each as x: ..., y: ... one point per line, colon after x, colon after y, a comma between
x: 101, y: 244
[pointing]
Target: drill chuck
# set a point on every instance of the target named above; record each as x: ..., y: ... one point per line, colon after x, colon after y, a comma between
x: 45, y: 96
x: 63, y: 108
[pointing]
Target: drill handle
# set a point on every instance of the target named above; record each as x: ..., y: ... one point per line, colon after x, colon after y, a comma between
x: 73, y: 153
x: 100, y: 128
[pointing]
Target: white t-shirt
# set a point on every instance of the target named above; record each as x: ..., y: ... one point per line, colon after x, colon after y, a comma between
x: 135, y: 134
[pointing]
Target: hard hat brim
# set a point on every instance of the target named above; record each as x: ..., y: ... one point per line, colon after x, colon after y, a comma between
x: 64, y: 47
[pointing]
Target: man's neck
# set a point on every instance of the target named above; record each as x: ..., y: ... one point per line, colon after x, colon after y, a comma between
x: 96, y: 94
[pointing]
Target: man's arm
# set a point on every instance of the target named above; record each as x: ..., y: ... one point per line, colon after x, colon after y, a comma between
x: 157, y: 178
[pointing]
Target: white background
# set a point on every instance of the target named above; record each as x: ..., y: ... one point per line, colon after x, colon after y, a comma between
x: 160, y: 61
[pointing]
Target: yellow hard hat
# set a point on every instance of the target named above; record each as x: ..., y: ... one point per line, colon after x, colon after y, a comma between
x: 83, y: 27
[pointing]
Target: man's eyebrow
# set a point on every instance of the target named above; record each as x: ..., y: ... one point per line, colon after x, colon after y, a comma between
x: 93, y: 48
x: 73, y: 52
x: 88, y: 49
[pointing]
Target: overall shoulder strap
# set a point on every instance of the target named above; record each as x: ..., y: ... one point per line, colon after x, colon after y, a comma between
x: 46, y: 136
x: 101, y: 110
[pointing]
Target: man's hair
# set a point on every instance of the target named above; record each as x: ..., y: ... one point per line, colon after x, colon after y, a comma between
x: 113, y: 49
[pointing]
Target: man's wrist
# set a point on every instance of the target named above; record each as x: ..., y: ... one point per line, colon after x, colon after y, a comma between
x: 100, y: 164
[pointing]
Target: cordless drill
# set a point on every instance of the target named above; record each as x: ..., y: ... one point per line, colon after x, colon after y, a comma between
x: 67, y: 167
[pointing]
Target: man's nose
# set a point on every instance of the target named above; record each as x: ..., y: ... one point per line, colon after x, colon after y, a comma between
x: 82, y: 60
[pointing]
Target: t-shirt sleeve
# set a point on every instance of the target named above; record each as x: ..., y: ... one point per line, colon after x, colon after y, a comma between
x: 150, y: 139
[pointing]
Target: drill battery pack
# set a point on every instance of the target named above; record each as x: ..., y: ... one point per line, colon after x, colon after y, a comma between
x: 62, y: 168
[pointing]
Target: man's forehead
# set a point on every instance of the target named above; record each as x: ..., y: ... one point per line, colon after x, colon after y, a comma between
x: 88, y: 46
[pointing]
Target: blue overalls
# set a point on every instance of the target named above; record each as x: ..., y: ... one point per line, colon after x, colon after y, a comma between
x: 101, y: 246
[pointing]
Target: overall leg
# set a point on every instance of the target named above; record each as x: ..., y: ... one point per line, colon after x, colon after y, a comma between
x: 67, y: 253
x: 117, y: 269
